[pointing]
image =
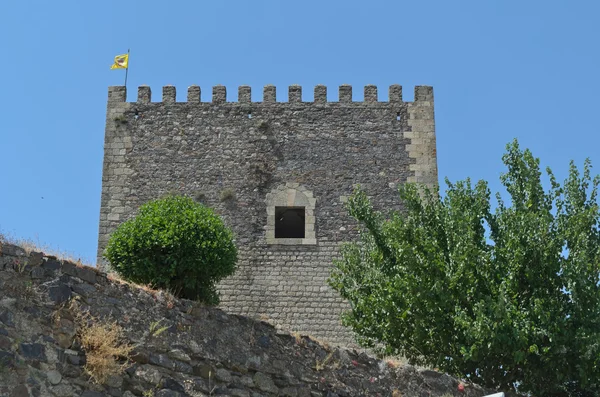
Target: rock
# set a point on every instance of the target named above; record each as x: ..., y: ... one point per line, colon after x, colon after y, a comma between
x: 264, y: 341
x: 149, y: 374
x: 37, y: 273
x: 64, y: 340
x: 34, y: 351
x: 204, y: 370
x: 264, y: 383
x: 7, y: 359
x: 246, y: 381
x: 195, y: 347
x: 71, y: 371
x: 20, y: 391
x: 172, y: 384
x: 180, y: 355
x: 114, y: 381
x: 200, y: 385
x: 59, y: 293
x: 8, y: 302
x: 168, y: 393
x: 114, y: 392
x: 182, y: 367
x: 69, y: 268
x: 253, y: 362
x: 161, y: 360
x: 76, y: 360
x: 84, y: 289
x: 66, y: 391
x: 86, y: 273
x: 51, y: 264
x: 12, y: 250
x: 239, y: 393
x: 223, y: 375
x: 36, y: 258
x: 7, y: 318
x: 89, y: 393
x: 54, y: 377
x: 289, y: 392
x: 5, y: 343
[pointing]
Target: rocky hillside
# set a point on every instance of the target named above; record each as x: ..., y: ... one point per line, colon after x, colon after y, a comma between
x: 66, y: 330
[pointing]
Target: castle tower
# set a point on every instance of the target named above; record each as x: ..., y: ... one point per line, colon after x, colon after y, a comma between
x: 278, y: 173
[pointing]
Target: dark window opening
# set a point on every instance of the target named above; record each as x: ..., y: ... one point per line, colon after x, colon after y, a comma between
x: 289, y: 222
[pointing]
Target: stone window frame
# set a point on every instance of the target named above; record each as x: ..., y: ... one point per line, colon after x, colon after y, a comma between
x: 291, y: 195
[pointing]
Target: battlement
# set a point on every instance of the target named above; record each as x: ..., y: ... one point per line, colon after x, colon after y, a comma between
x: 219, y: 94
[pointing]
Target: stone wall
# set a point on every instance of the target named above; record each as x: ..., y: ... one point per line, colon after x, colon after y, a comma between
x: 241, y: 158
x: 199, y: 351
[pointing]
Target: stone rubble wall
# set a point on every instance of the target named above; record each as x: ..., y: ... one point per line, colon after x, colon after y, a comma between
x: 202, y: 351
x: 239, y: 157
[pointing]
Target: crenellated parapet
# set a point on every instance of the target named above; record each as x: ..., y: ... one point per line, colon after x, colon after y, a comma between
x: 219, y: 94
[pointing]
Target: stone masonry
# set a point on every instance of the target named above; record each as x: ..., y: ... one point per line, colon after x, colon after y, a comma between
x: 180, y: 348
x: 245, y: 159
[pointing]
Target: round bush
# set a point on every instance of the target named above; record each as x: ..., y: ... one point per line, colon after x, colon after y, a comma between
x: 175, y: 244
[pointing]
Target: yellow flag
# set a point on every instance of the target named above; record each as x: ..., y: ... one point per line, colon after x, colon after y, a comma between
x: 121, y: 62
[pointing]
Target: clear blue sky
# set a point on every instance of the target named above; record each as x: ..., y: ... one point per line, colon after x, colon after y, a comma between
x: 500, y: 69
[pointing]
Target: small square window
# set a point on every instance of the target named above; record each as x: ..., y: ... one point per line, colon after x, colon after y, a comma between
x: 289, y: 222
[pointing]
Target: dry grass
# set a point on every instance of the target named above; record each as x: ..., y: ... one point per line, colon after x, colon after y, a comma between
x: 158, y: 294
x: 264, y: 318
x: 30, y: 245
x: 320, y: 365
x: 144, y: 287
x: 298, y: 338
x: 395, y: 362
x: 104, y: 345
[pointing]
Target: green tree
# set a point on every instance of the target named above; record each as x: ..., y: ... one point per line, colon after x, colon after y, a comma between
x: 175, y: 244
x: 502, y: 297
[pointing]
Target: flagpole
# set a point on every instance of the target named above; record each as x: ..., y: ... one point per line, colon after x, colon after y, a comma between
x: 127, y: 68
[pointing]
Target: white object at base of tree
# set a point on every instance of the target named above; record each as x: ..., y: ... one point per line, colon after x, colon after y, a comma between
x: 495, y: 395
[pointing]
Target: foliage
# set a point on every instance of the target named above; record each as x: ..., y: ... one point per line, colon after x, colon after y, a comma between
x: 507, y: 298
x: 175, y: 244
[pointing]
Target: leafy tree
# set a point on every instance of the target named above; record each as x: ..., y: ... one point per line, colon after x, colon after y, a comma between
x: 507, y: 298
x: 176, y: 244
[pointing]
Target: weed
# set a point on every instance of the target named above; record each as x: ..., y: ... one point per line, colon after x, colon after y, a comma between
x: 20, y: 265
x: 299, y: 339
x: 394, y: 362
x: 155, y: 330
x: 183, y: 328
x: 212, y: 389
x: 29, y: 290
x: 200, y: 197
x: 227, y: 194
x: 320, y: 365
x: 148, y: 393
x: 263, y: 126
x: 120, y: 119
